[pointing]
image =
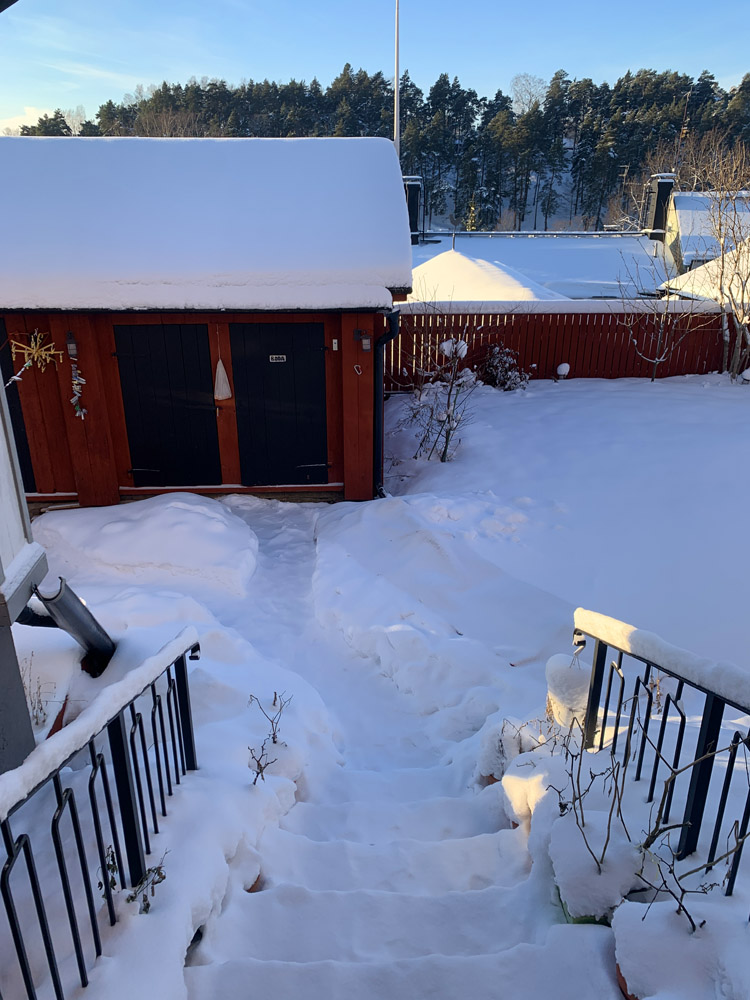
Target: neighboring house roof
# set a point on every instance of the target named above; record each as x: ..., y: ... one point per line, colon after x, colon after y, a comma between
x: 589, y: 266
x: 457, y: 281
x: 237, y: 224
x: 723, y: 280
x: 692, y: 220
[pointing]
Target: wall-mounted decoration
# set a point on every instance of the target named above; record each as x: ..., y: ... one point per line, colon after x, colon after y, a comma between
x: 222, y: 389
x: 78, y: 381
x: 36, y: 352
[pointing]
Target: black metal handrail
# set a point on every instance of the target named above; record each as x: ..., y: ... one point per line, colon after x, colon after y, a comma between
x: 603, y: 718
x: 146, y: 767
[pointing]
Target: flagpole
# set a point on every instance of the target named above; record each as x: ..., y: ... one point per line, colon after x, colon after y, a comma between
x: 397, y: 99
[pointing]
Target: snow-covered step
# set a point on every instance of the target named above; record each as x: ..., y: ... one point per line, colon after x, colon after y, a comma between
x: 377, y: 822
x: 293, y: 924
x: 413, y: 866
x: 345, y: 784
x: 574, y: 961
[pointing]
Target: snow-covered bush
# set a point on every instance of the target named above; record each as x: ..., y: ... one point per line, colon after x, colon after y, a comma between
x: 260, y: 757
x: 439, y: 406
x: 605, y: 843
x: 454, y: 348
x: 500, y: 744
x: 588, y: 891
x: 499, y: 368
x: 567, y: 688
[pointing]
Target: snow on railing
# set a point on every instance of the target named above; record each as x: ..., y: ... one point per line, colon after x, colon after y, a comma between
x: 723, y: 679
x: 53, y: 753
x: 146, y: 761
x: 620, y: 724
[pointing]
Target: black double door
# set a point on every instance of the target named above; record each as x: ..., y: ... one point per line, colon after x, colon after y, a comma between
x: 279, y: 382
x: 168, y: 395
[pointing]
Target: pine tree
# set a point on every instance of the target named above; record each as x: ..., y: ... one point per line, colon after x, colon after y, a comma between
x: 471, y: 221
x: 56, y: 125
x: 473, y: 154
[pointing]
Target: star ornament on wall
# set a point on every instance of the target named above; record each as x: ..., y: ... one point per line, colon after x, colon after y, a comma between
x: 36, y: 352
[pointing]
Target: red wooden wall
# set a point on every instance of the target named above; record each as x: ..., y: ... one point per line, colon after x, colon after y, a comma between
x: 89, y: 460
x: 595, y: 345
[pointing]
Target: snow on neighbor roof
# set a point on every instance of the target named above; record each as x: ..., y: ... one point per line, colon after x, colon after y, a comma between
x: 589, y: 266
x: 727, y: 279
x: 457, y: 281
x: 695, y: 218
x: 238, y: 224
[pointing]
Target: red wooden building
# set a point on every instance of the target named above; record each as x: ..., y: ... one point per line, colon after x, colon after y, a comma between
x: 222, y: 299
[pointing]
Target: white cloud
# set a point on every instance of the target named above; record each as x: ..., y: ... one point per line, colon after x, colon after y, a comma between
x: 30, y: 116
x: 87, y: 71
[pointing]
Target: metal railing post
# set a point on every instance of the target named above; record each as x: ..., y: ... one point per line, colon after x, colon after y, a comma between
x: 708, y: 744
x: 595, y: 693
x: 186, y: 713
x: 123, y: 772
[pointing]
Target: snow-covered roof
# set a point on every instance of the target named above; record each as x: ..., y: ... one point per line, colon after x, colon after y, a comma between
x: 238, y: 224
x: 458, y: 281
x: 695, y: 218
x: 588, y: 266
x: 726, y: 279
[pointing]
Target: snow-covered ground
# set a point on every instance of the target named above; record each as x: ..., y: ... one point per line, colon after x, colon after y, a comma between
x: 624, y: 496
x: 374, y: 861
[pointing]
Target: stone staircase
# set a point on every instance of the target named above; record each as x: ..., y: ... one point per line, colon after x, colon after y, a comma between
x: 395, y: 885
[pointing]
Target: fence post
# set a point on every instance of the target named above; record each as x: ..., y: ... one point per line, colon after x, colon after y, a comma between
x: 123, y: 771
x: 186, y: 712
x: 708, y: 743
x: 595, y: 693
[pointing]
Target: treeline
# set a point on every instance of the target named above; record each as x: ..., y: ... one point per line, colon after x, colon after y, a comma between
x: 489, y: 162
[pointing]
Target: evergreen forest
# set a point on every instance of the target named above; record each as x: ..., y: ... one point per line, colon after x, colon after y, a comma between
x: 564, y: 153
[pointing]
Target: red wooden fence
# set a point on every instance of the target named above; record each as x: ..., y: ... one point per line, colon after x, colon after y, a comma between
x: 594, y: 344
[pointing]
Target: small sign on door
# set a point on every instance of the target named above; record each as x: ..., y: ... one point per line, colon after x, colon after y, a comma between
x: 277, y: 357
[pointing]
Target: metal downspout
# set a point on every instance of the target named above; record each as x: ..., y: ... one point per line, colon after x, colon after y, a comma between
x: 378, y: 428
x: 69, y: 613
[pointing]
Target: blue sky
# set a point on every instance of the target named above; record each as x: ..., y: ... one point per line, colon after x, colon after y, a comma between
x: 84, y: 52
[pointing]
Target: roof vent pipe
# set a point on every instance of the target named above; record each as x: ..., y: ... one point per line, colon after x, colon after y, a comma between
x: 655, y: 211
x: 413, y: 190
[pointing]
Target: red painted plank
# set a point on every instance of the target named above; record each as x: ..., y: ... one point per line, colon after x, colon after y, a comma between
x: 89, y: 440
x: 104, y: 331
x: 357, y: 409
x: 334, y: 401
x: 28, y: 394
x: 45, y: 417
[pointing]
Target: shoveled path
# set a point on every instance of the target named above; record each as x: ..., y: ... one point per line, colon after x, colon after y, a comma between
x: 396, y: 878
